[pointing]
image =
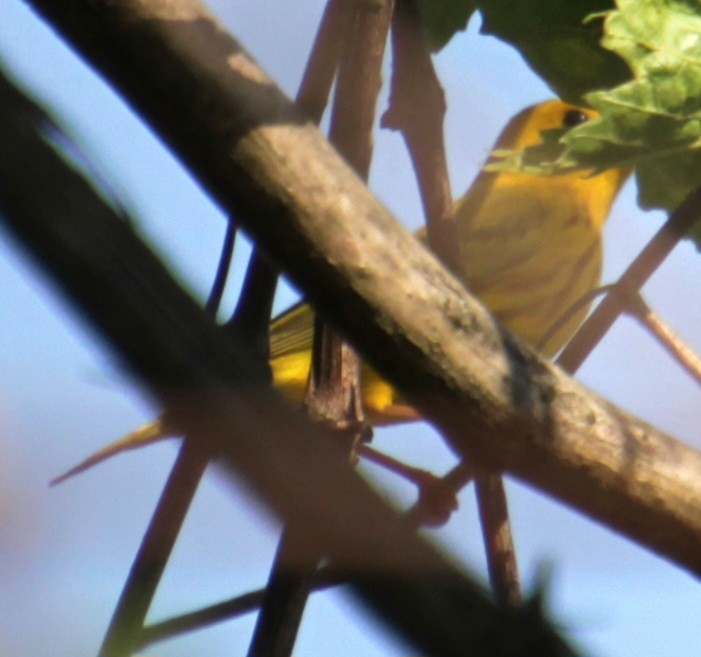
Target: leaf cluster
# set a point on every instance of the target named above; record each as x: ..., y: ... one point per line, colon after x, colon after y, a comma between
x: 637, y: 62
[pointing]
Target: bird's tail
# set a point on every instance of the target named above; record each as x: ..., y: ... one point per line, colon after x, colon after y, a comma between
x: 146, y: 434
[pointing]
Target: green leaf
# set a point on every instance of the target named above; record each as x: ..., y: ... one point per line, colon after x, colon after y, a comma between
x: 441, y: 19
x: 652, y: 122
x: 558, y: 42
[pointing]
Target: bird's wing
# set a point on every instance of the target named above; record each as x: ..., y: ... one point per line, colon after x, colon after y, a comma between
x: 292, y: 331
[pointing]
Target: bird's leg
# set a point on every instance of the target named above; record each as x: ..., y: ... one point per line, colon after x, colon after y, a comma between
x: 437, y: 495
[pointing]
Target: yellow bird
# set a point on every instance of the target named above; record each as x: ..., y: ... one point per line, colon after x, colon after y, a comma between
x: 530, y: 249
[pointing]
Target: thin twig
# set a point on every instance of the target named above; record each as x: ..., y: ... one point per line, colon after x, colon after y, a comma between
x: 160, y: 536
x: 408, y: 472
x: 313, y: 95
x: 358, y: 85
x: 324, y: 578
x: 251, y: 318
x: 416, y: 109
x: 437, y: 495
x: 156, y: 546
x: 496, y: 530
x: 566, y: 316
x: 286, y: 593
x: 227, y: 252
x: 648, y: 260
x: 675, y: 346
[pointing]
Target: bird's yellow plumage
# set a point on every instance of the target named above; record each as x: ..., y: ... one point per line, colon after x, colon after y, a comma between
x: 291, y: 337
x: 530, y: 248
x: 531, y: 245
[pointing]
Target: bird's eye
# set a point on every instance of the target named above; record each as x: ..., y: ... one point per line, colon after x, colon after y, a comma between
x: 574, y: 117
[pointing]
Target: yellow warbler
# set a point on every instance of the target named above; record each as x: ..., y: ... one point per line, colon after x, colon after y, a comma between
x: 530, y: 248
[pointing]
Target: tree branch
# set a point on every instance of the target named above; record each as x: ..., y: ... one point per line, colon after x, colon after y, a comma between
x: 498, y: 541
x: 417, y: 110
x: 313, y: 94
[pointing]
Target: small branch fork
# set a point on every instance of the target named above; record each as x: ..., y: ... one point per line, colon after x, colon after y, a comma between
x: 633, y: 304
x: 249, y: 602
x: 423, y: 513
x: 437, y: 496
x: 157, y: 544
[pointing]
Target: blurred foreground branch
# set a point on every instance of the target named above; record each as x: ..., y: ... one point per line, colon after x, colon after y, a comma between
x: 222, y: 400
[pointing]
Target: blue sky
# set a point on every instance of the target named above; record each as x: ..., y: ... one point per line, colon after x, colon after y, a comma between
x: 64, y: 552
